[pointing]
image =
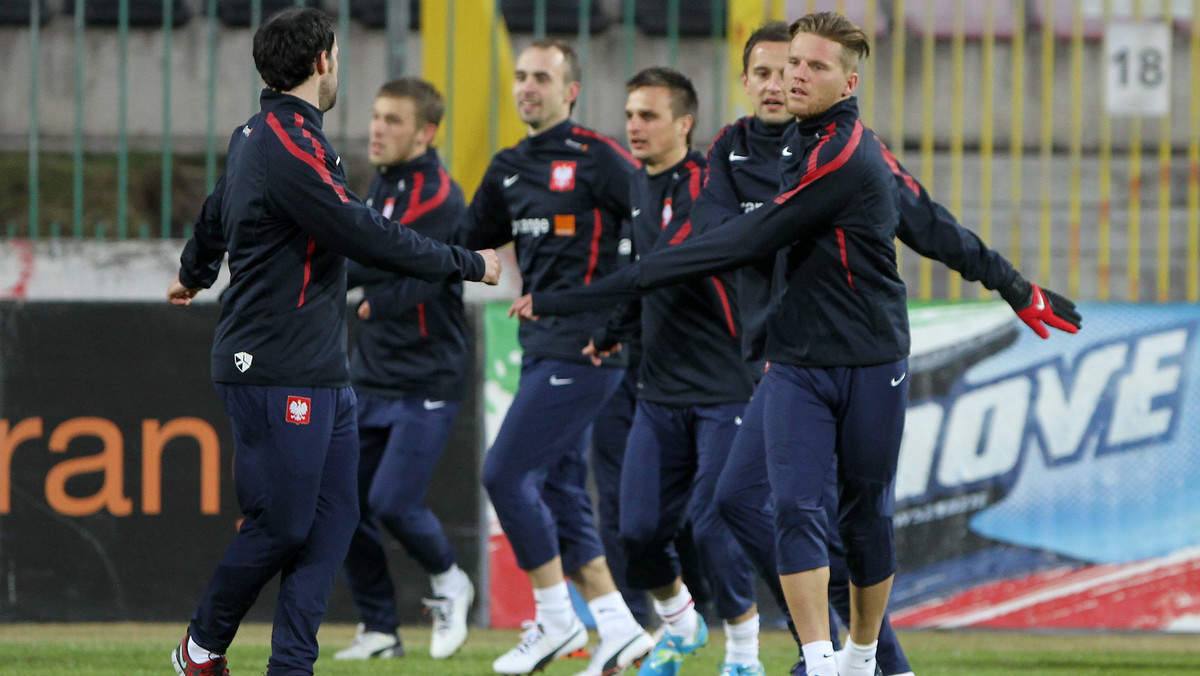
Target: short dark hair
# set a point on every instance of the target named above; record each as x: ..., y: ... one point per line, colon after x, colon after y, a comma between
x: 288, y: 44
x: 771, y: 31
x: 839, y: 29
x: 683, y: 95
x: 571, y: 73
x: 425, y: 97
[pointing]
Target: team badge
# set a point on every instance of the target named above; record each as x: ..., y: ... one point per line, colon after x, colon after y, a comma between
x: 562, y: 176
x: 243, y: 360
x: 667, y: 213
x: 299, y: 409
x: 389, y: 206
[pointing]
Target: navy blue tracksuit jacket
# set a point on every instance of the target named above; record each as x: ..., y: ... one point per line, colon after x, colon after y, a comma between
x: 560, y: 196
x: 289, y: 222
x: 839, y: 300
x: 744, y: 170
x: 690, y: 333
x: 415, y: 342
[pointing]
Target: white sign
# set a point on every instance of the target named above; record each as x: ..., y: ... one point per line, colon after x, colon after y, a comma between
x: 1137, y: 68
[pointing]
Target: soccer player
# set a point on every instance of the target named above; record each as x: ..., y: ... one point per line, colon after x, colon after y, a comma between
x: 283, y: 214
x: 692, y: 390
x: 409, y: 371
x: 743, y: 175
x: 744, y: 165
x: 559, y: 194
x: 837, y: 337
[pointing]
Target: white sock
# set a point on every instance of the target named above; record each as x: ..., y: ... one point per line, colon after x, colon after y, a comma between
x: 449, y: 584
x: 741, y: 642
x: 679, y: 612
x: 613, y: 619
x: 554, y: 610
x: 197, y: 654
x: 857, y: 660
x: 818, y: 658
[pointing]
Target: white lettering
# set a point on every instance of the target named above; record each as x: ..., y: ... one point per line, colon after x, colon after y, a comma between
x: 971, y: 452
x: 1064, y: 420
x: 534, y: 227
x: 1134, y: 417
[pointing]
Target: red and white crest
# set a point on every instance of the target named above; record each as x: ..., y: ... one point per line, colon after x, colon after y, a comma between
x: 389, y: 207
x: 562, y: 176
x: 667, y: 213
x: 299, y: 410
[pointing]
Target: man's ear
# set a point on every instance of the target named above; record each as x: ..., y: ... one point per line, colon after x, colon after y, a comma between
x: 427, y: 132
x: 573, y: 91
x: 851, y: 85
x: 687, y: 121
x: 322, y: 64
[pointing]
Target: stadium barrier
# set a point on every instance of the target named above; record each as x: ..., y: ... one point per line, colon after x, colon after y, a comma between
x: 116, y: 494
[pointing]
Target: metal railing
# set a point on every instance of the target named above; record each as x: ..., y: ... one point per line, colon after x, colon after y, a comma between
x: 1002, y: 125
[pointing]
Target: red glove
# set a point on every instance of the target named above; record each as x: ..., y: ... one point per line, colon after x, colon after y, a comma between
x: 1035, y: 305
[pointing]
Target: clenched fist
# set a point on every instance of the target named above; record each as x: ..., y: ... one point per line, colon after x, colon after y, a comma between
x: 491, y: 275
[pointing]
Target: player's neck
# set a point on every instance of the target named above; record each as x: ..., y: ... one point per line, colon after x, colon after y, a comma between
x: 309, y: 91
x: 550, y: 124
x: 666, y: 160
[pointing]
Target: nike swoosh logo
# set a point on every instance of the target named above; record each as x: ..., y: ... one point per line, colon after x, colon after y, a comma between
x: 1038, y: 299
x: 509, y: 180
x: 734, y: 157
x: 556, y: 381
x: 787, y: 151
x: 431, y: 405
x: 897, y: 381
x: 636, y: 212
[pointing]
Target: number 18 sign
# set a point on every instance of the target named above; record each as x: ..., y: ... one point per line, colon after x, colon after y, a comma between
x: 1137, y: 68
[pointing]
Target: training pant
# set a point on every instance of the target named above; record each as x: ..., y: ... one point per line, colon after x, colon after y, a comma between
x: 814, y: 418
x: 536, y: 471
x: 295, y: 485
x: 744, y: 502
x: 401, y: 441
x: 608, y: 452
x: 672, y: 461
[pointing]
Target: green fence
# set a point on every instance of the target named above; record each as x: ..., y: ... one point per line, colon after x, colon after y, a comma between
x: 996, y: 106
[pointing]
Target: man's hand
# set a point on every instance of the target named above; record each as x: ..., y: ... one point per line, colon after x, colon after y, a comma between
x: 522, y: 309
x: 364, y: 310
x: 178, y: 294
x: 597, y: 356
x: 491, y: 274
x: 1035, y: 305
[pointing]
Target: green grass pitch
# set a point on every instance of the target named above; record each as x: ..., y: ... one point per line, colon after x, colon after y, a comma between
x: 143, y: 650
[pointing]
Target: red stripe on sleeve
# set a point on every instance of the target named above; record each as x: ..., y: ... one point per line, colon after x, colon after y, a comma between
x: 613, y: 144
x: 725, y: 306
x: 841, y: 235
x: 681, y: 234
x: 417, y: 208
x: 829, y: 167
x: 308, y: 255
x: 890, y: 159
x: 317, y: 162
x: 421, y: 319
x: 594, y: 254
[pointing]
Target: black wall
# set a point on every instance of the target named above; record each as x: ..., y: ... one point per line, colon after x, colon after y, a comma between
x: 126, y: 363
